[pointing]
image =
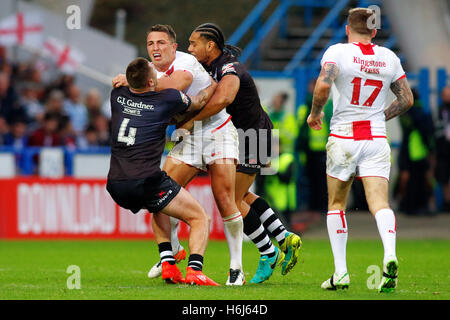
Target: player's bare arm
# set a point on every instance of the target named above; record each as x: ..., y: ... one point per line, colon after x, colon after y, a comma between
x: 226, y: 91
x: 404, y: 100
x: 179, y: 80
x: 199, y: 101
x: 322, y: 89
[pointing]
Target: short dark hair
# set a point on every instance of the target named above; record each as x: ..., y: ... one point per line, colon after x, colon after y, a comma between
x: 138, y: 73
x: 357, y: 20
x: 167, y: 29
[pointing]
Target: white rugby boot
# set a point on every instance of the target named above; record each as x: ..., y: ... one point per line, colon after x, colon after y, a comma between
x: 337, y: 282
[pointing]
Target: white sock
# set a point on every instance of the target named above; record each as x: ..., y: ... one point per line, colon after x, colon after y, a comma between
x: 387, y: 227
x: 338, y: 233
x: 176, y: 246
x: 234, y: 232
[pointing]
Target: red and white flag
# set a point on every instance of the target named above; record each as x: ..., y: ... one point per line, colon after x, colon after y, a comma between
x: 22, y: 29
x: 66, y: 57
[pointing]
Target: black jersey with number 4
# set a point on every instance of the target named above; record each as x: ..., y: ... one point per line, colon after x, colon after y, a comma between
x: 246, y: 110
x: 138, y: 130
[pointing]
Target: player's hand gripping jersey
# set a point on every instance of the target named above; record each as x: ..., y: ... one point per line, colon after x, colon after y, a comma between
x: 361, y: 88
x: 201, y: 80
x: 218, y: 138
x: 357, y: 143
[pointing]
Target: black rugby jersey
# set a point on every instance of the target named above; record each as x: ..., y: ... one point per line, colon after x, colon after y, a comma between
x: 138, y: 130
x: 246, y: 110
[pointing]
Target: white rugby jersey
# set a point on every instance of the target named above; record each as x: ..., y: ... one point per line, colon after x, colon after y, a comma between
x: 361, y: 88
x: 201, y: 80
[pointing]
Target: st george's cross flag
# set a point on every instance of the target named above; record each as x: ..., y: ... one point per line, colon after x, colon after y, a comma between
x: 22, y: 29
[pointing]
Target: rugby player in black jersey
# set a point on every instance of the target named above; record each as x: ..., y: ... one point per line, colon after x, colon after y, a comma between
x: 213, y: 148
x: 236, y: 91
x: 140, y: 117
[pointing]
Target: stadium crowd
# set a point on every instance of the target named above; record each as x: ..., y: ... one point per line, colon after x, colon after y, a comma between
x: 35, y: 113
x: 38, y: 114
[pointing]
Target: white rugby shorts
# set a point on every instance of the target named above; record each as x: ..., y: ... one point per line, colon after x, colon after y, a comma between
x: 200, y: 150
x: 360, y: 158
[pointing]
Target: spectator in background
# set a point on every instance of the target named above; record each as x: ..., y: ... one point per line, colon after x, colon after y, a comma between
x: 66, y: 132
x: 47, y: 135
x: 442, y: 172
x: 101, y: 125
x: 414, y: 186
x: 89, y: 139
x: 75, y: 110
x: 9, y: 100
x: 93, y: 103
x: 4, y: 129
x: 279, y: 189
x: 2, y: 56
x: 54, y: 105
x: 33, y: 108
x: 17, y: 137
x: 62, y: 84
x: 284, y: 121
x: 311, y: 145
x: 55, y: 102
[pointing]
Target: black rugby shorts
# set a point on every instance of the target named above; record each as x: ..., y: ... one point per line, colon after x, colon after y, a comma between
x: 153, y: 193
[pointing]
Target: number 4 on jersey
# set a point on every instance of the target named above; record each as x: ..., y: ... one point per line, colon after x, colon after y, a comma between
x: 130, y: 138
x: 378, y: 84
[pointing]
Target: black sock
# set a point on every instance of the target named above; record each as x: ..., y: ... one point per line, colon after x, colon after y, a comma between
x: 165, y: 252
x: 270, y: 220
x: 255, y: 231
x: 196, y: 262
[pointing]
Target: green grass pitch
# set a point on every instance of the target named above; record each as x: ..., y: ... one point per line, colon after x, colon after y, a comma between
x: 118, y: 270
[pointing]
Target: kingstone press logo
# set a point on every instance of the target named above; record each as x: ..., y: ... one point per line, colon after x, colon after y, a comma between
x: 256, y: 148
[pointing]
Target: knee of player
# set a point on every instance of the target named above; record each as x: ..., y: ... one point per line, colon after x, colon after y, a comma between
x: 225, y: 197
x: 203, y: 217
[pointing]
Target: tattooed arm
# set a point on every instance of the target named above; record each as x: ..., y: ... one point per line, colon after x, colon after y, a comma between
x: 322, y: 89
x: 404, y: 99
x: 199, y: 101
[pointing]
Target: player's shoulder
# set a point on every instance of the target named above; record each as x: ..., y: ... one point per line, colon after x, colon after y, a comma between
x: 386, y: 51
x: 119, y: 90
x: 228, y: 59
x: 172, y: 94
x: 229, y: 64
x: 184, y: 58
x: 169, y: 93
x: 338, y: 47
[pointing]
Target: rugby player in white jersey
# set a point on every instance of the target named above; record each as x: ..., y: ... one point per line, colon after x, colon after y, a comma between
x: 237, y: 93
x: 359, y: 75
x: 212, y: 148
